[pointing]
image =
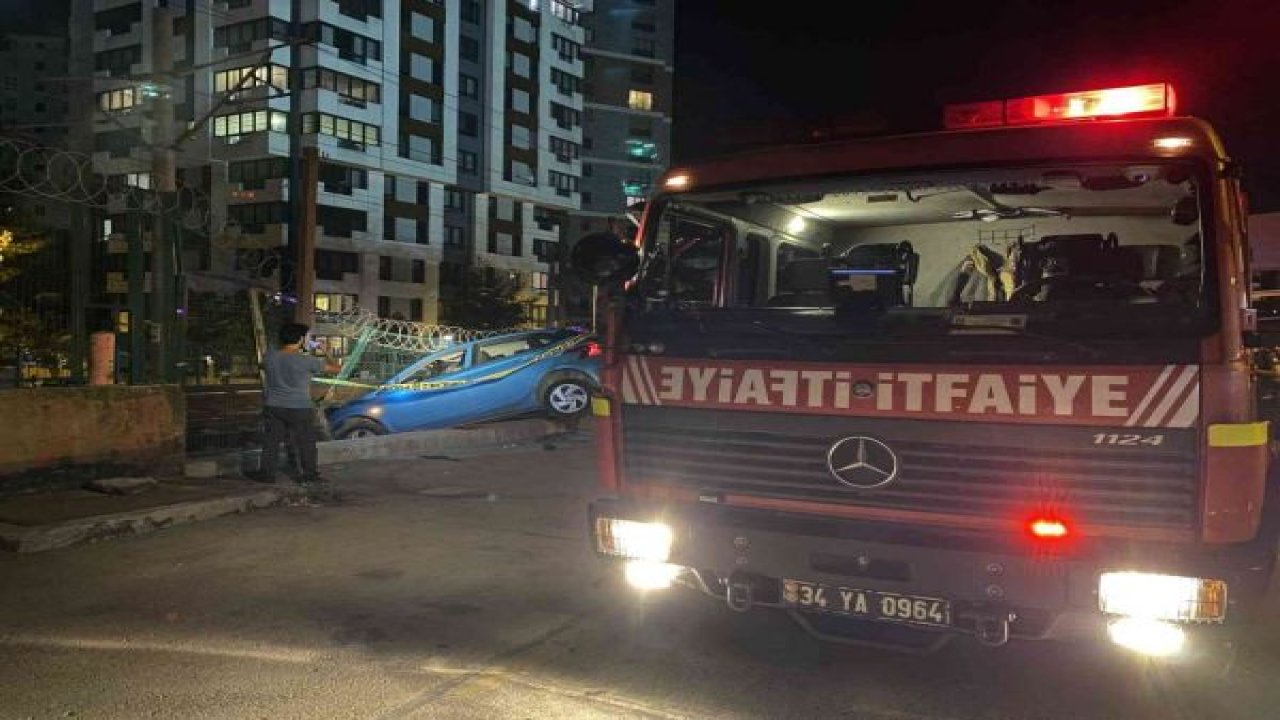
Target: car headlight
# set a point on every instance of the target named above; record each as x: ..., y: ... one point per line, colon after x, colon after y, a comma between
x: 634, y: 539
x: 1151, y: 596
x: 1149, y: 637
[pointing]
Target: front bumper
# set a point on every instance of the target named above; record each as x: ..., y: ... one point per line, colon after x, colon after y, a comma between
x: 998, y: 589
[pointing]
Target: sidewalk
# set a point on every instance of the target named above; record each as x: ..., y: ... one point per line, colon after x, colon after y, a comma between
x: 45, y: 521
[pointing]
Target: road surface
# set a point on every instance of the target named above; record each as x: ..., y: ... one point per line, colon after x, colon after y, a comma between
x: 463, y: 587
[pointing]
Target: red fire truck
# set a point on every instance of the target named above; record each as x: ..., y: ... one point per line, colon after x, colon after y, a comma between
x: 990, y: 381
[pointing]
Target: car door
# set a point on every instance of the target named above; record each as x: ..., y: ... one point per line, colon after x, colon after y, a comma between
x: 408, y: 408
x: 501, y: 373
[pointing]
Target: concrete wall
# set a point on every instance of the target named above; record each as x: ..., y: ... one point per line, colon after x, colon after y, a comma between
x: 59, y: 437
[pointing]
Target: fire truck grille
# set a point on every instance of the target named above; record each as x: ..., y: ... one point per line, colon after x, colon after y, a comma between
x: 970, y: 469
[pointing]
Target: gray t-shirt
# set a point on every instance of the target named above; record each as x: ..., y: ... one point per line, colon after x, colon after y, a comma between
x: 289, y: 378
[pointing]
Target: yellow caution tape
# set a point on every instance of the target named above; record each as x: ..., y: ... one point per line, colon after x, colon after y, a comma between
x: 1239, y: 434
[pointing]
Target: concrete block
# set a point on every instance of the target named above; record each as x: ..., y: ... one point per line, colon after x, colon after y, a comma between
x: 201, y: 469
x: 122, y: 485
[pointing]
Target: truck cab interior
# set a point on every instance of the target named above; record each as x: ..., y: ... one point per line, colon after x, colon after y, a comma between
x: 1112, y: 246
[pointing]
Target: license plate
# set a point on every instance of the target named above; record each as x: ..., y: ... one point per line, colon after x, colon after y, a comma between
x: 867, y: 604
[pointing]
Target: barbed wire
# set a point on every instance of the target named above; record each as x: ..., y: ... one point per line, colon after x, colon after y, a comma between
x: 62, y: 175
x: 398, y: 334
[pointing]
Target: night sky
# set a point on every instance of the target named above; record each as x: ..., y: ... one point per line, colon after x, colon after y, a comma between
x: 747, y: 68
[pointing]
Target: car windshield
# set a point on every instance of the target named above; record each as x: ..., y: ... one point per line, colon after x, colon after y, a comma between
x: 1082, y: 251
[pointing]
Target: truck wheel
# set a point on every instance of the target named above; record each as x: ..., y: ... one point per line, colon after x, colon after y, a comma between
x: 566, y: 398
x: 359, y: 428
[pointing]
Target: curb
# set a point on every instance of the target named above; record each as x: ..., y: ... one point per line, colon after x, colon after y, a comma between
x: 426, y: 442
x: 39, y: 538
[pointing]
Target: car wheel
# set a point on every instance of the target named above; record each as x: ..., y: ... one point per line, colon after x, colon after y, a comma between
x: 359, y: 428
x: 566, y: 398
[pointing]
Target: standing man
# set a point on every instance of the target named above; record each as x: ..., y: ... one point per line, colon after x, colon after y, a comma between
x: 287, y: 408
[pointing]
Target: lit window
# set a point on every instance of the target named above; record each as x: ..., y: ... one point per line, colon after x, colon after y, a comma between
x: 277, y: 76
x: 640, y: 100
x: 121, y: 99
x: 249, y: 122
x: 634, y: 191
x: 642, y: 149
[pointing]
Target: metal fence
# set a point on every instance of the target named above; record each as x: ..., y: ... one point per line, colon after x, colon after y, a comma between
x: 85, y: 288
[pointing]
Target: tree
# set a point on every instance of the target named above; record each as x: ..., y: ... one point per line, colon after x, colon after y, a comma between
x: 34, y: 319
x: 486, y: 300
x: 219, y: 326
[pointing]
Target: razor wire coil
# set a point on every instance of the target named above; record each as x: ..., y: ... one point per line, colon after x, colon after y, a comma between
x: 403, y: 335
x: 61, y: 175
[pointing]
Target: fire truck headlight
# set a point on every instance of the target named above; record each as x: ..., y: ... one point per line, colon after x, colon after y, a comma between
x: 1149, y: 637
x: 649, y: 575
x: 635, y: 540
x: 1171, y: 598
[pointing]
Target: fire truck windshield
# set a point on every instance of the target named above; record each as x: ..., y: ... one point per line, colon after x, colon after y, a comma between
x: 1008, y: 259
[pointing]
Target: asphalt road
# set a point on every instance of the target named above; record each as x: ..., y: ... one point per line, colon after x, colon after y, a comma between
x: 404, y: 602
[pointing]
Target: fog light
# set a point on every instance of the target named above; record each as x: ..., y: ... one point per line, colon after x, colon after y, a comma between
x: 649, y: 575
x: 1149, y: 637
x: 1153, y: 596
x: 634, y: 539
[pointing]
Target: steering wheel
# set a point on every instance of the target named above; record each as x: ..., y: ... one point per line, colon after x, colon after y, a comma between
x: 1113, y: 286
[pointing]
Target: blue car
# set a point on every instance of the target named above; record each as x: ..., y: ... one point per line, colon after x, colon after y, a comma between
x: 494, y: 377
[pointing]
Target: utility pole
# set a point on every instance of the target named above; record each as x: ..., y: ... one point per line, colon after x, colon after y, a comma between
x: 77, y: 239
x: 304, y: 261
x: 290, y: 271
x: 164, y: 184
x: 134, y: 231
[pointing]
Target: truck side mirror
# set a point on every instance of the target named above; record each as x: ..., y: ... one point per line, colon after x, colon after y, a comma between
x: 604, y: 258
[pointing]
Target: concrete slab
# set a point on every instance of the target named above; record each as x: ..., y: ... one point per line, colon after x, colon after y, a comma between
x: 122, y: 485
x: 46, y: 521
x: 201, y: 469
x: 407, y: 444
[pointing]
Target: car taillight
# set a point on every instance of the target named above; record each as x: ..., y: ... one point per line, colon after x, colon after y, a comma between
x: 592, y: 349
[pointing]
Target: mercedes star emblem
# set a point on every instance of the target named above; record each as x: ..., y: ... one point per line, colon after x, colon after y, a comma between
x: 862, y: 462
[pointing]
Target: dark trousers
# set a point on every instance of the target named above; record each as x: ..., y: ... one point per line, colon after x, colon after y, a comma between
x: 297, y: 425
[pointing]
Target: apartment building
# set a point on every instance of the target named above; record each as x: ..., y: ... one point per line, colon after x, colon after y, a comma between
x: 629, y: 59
x: 449, y: 134
x: 33, y: 105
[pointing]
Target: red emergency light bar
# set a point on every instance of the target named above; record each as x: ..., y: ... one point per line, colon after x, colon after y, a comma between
x: 1155, y: 100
